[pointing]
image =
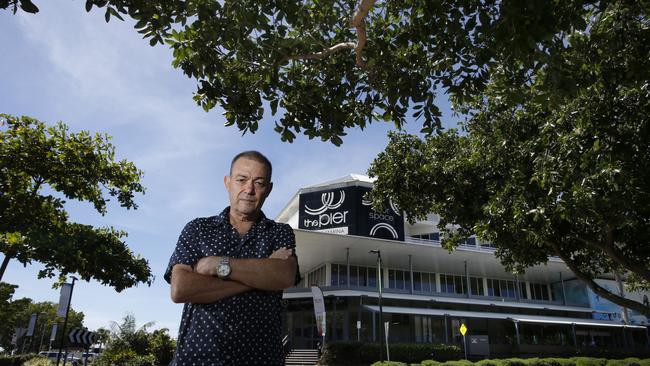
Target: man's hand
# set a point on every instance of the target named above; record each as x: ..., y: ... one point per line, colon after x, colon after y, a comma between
x: 282, y: 253
x: 207, y: 265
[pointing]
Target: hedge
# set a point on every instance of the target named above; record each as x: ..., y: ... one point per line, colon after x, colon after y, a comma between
x: 360, y: 353
x: 574, y: 361
x: 17, y: 360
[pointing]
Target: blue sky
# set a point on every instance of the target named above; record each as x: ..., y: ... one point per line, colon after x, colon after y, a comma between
x: 64, y: 64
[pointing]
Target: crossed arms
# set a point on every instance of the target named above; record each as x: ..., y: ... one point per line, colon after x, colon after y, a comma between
x: 199, y: 285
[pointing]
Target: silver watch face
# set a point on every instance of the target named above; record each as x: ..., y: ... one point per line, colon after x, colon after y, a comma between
x: 223, y: 270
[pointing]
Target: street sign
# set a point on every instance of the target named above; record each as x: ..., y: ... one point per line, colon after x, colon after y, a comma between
x: 81, y: 336
x: 463, y: 329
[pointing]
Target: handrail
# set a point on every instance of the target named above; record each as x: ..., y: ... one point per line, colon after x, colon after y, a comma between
x: 286, y: 345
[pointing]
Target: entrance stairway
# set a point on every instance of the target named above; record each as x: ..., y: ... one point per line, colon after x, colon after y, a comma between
x: 302, y: 357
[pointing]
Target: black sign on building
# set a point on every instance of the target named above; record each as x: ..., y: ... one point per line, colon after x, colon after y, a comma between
x: 344, y: 211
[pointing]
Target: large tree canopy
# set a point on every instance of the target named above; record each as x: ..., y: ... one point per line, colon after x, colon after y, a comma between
x: 36, y: 160
x: 324, y: 66
x: 562, y: 167
x: 551, y: 160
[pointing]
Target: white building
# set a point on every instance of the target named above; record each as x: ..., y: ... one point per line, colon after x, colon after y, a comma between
x: 427, y: 291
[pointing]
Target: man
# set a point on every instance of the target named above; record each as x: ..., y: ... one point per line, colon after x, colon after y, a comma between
x: 230, y: 271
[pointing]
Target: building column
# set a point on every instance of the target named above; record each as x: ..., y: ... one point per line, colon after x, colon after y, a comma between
x: 517, y: 288
x: 328, y: 275
x: 446, y: 320
x: 467, y: 281
x: 573, y: 333
x: 347, y: 263
x: 563, y: 290
x: 334, y: 320
x: 516, y: 331
x: 484, y: 280
x: 411, y: 273
x: 346, y: 325
x: 374, y: 327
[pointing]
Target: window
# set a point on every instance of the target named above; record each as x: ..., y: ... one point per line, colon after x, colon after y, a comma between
x: 538, y: 291
x: 399, y: 279
x: 429, y: 236
x: 354, y: 275
x: 523, y: 293
x: 469, y: 242
x: 424, y: 281
x: 452, y: 284
x: 316, y: 277
x: 359, y: 276
x: 335, y: 274
x: 501, y: 288
x: 372, y: 277
x: 476, y: 286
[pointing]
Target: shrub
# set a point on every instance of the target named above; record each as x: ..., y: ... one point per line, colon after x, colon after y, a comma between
x: 446, y: 352
x: 430, y: 363
x: 589, y: 361
x: 18, y: 360
x: 38, y: 361
x: 124, y: 358
x: 489, y: 363
x: 514, y: 362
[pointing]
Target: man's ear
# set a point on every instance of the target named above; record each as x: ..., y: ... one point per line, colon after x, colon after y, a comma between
x: 226, y: 182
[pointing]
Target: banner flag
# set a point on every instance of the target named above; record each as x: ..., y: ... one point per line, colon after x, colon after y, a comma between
x: 319, y: 309
x: 32, y: 325
x: 54, y: 330
x: 64, y: 299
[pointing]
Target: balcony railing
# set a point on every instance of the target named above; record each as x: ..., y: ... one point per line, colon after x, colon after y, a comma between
x: 436, y: 243
x: 495, y: 299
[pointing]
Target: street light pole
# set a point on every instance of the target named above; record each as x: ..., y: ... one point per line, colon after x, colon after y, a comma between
x: 65, y: 323
x: 381, y: 312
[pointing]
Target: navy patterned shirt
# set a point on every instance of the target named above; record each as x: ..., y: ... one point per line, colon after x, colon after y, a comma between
x: 245, y: 329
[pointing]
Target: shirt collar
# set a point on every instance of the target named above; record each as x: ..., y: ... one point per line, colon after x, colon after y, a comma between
x: 224, y: 219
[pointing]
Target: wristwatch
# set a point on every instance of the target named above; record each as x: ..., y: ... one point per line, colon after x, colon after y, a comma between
x: 223, y: 268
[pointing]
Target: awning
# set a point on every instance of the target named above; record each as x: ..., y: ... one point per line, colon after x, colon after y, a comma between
x: 503, y: 316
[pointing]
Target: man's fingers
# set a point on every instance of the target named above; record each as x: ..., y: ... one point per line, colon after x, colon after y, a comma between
x: 282, y: 253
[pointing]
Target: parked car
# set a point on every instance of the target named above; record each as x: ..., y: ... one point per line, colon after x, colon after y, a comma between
x: 52, y: 356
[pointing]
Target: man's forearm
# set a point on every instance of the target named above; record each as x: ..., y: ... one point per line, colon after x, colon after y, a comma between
x: 265, y: 274
x: 189, y: 286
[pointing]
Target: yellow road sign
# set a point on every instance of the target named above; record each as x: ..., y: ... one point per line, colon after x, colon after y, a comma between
x: 463, y: 329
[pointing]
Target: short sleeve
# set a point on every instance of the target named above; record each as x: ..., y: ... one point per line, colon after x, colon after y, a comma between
x: 286, y: 238
x: 187, y: 248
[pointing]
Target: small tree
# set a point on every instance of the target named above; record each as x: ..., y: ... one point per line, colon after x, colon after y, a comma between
x: 34, y: 225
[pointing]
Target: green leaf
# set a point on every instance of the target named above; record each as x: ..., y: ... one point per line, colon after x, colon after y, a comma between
x: 28, y: 6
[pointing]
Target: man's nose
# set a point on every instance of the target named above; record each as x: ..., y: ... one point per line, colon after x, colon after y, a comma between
x: 249, y: 187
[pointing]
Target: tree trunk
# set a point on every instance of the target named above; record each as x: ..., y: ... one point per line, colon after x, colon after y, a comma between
x: 599, y: 290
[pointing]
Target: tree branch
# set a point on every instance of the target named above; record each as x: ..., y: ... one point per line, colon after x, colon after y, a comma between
x: 599, y: 290
x: 320, y: 55
x: 619, y: 257
x: 358, y: 22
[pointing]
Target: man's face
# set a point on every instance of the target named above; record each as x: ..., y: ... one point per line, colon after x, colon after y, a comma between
x: 247, y: 186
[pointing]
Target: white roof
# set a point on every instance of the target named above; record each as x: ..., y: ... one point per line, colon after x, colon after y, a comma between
x: 352, y: 177
x: 505, y: 316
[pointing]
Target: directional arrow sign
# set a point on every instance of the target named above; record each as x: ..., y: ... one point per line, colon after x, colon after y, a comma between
x: 81, y: 336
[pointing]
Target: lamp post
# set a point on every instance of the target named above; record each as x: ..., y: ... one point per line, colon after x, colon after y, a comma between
x: 65, y: 323
x: 381, y: 312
